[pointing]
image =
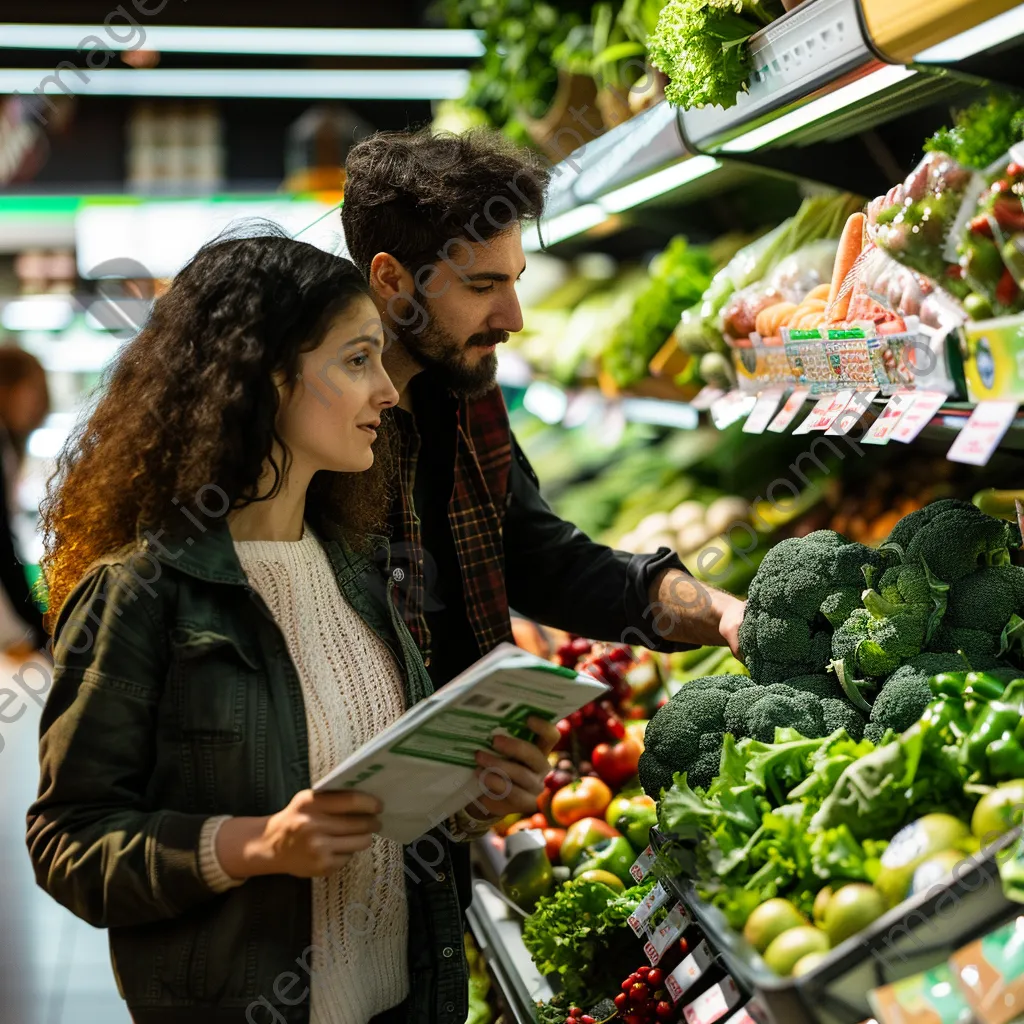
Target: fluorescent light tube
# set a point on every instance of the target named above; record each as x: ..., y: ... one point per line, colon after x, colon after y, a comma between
x: 661, y: 413
x: 328, y: 42
x: 818, y: 109
x: 363, y: 85
x: 565, y: 225
x: 658, y: 183
x: 1000, y: 29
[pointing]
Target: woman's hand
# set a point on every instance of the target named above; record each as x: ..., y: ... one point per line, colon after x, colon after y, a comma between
x: 316, y: 834
x: 513, y: 782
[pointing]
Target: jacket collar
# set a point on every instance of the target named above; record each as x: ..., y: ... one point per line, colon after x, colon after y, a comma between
x: 209, y: 555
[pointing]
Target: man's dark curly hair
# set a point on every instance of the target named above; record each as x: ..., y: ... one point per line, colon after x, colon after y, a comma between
x: 408, y: 193
x: 190, y: 402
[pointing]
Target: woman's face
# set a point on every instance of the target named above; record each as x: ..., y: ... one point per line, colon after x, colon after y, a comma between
x: 329, y: 415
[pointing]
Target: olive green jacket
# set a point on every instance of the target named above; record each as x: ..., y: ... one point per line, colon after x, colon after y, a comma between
x: 173, y: 699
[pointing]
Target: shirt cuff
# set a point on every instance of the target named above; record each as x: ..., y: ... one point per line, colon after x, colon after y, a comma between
x: 210, y: 867
x: 642, y: 571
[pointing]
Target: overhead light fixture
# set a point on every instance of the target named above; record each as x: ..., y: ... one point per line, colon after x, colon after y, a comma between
x: 661, y: 413
x: 658, y: 184
x: 1000, y: 29
x: 249, y: 84
x: 327, y: 42
x: 37, y: 313
x: 818, y: 109
x: 565, y: 225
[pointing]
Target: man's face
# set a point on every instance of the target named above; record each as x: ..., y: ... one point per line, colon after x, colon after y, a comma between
x: 468, y: 306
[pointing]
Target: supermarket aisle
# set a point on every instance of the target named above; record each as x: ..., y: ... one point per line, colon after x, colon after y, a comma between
x: 54, y: 969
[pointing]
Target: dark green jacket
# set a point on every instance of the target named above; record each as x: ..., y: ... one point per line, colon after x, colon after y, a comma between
x: 174, y: 698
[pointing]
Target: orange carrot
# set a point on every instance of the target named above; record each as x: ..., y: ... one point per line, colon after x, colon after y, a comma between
x: 850, y: 245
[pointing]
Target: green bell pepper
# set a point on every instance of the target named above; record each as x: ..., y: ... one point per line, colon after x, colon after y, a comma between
x: 994, y: 746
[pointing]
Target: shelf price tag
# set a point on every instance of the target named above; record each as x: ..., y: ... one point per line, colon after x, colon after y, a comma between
x: 882, y: 429
x: 826, y: 411
x: 730, y: 408
x: 642, y: 865
x: 688, y: 972
x: 666, y: 933
x: 918, y: 416
x: 788, y: 412
x: 655, y: 899
x: 982, y: 432
x: 852, y: 414
x: 764, y: 409
x: 706, y: 397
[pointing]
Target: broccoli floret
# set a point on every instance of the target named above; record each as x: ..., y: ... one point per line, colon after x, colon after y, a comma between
x: 840, y: 714
x: 978, y: 646
x: 686, y: 734
x: 760, y: 710
x: 910, y: 525
x: 958, y: 541
x: 803, y: 587
x: 877, y: 639
x: 820, y: 685
x: 905, y: 694
x: 986, y: 599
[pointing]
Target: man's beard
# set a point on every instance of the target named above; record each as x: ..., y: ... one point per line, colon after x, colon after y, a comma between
x: 435, y: 349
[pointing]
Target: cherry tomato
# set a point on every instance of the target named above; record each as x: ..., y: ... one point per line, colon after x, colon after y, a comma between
x: 664, y: 1010
x: 620, y: 1001
x: 643, y: 972
x: 638, y: 993
x: 655, y: 977
x: 575, y: 1011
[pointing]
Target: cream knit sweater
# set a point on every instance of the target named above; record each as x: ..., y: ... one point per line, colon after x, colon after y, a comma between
x: 352, y: 689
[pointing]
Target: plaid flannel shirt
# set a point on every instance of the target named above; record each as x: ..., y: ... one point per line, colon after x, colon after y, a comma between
x: 479, y: 500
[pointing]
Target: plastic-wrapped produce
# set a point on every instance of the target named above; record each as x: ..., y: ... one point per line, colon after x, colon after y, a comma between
x: 991, y: 243
x: 914, y: 221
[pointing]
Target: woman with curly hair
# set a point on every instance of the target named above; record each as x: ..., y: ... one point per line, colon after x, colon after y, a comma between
x: 224, y: 635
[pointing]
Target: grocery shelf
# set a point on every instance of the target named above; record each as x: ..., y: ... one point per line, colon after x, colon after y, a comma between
x: 497, y: 930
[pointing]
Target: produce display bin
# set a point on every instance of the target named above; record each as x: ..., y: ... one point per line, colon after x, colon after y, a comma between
x: 920, y: 933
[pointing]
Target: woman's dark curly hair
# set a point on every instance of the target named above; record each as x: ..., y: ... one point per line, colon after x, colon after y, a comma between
x: 191, y: 402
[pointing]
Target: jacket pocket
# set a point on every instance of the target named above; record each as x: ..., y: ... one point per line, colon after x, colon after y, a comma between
x: 211, y: 675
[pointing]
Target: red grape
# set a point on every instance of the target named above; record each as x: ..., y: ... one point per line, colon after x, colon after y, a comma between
x: 576, y: 719
x: 615, y: 728
x: 620, y: 654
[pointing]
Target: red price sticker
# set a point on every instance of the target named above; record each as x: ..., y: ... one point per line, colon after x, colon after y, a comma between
x: 642, y: 865
x: 918, y: 416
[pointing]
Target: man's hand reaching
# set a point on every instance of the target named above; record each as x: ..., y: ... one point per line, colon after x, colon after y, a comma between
x: 687, y: 611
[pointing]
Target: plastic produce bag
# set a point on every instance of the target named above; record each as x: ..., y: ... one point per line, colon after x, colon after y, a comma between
x: 991, y: 243
x: 915, y: 222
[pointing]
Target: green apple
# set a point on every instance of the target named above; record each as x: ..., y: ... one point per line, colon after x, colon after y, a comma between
x: 582, y: 834
x: 614, y: 855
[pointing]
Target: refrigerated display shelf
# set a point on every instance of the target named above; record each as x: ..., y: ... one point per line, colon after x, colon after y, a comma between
x: 497, y: 930
x: 818, y: 76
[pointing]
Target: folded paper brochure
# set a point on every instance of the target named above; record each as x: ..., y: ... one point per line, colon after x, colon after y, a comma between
x: 422, y: 766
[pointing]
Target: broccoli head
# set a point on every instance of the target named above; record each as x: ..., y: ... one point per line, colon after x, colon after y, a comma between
x: 821, y: 685
x: 905, y: 694
x: 804, y: 587
x: 986, y: 601
x: 759, y: 710
x: 957, y: 541
x: 686, y: 734
x: 876, y: 639
x: 839, y: 713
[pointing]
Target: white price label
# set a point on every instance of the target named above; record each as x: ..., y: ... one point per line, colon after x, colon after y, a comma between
x: 666, y: 933
x: 642, y: 865
x: 764, y: 410
x: 882, y: 429
x: 982, y: 433
x: 706, y: 397
x: 852, y: 414
x: 686, y: 973
x: 656, y: 898
x: 918, y: 416
x: 732, y: 407
x: 825, y: 412
x: 788, y: 412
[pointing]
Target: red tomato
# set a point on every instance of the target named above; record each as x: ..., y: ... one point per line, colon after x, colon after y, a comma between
x: 535, y: 821
x: 584, y: 798
x: 554, y: 837
x: 617, y: 763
